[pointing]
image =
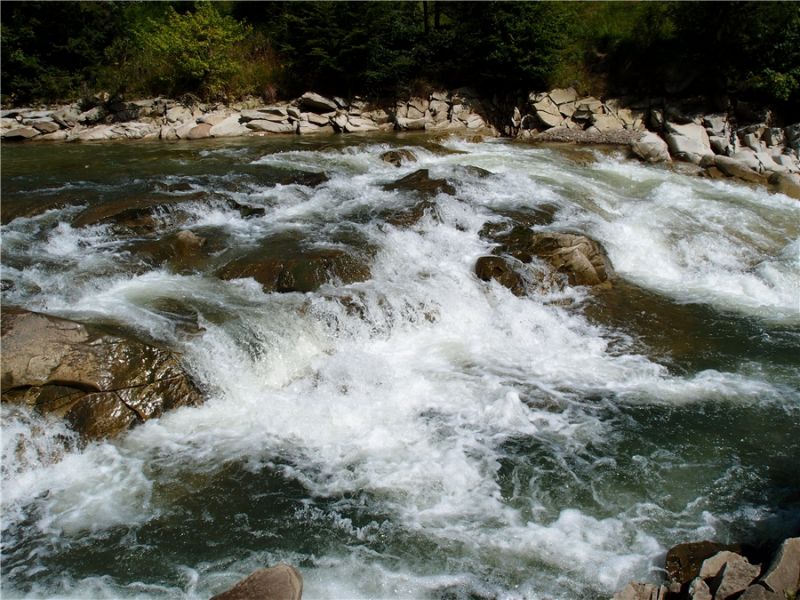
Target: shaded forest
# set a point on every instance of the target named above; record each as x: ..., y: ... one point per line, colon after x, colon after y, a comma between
x: 61, y: 51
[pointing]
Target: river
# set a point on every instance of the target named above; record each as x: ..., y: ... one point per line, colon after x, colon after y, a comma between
x: 422, y: 433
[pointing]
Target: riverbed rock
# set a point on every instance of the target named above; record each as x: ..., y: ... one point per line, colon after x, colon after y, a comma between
x: 499, y: 269
x: 21, y: 133
x: 684, y: 561
x: 396, y: 157
x: 547, y: 113
x: 421, y: 182
x: 101, y: 381
x: 297, y: 272
x: 583, y: 260
x: 281, y: 582
x: 651, y: 148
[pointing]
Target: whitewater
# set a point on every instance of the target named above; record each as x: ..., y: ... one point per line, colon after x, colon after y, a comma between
x: 422, y: 433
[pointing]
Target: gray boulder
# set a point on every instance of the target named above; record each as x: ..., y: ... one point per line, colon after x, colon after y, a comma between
x: 783, y: 575
x: 651, y: 148
x: 312, y: 102
x: 229, y: 127
x: 688, y: 142
x: 547, y: 112
x: 270, y: 126
x: 730, y: 574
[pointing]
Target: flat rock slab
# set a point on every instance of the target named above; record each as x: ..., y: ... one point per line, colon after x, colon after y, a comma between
x: 101, y: 382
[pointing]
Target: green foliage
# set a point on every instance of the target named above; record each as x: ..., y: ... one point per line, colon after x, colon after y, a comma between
x: 51, y: 50
x: 223, y: 50
x: 194, y: 51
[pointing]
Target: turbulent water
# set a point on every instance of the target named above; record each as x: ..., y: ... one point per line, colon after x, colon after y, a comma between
x: 420, y: 434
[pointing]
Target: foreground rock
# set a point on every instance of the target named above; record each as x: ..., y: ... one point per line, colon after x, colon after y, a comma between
x: 722, y: 575
x: 101, y: 382
x: 281, y: 582
x: 422, y: 183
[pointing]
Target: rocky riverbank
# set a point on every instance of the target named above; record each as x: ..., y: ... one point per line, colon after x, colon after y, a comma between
x: 711, y: 571
x: 729, y: 140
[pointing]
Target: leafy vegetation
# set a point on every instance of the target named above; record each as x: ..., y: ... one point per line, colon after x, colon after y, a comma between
x: 225, y: 50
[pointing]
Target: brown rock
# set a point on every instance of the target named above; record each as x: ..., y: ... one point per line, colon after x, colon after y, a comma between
x: 281, y: 582
x: 684, y: 560
x: 201, y: 131
x: 582, y: 259
x: 499, y: 269
x: 102, y: 382
x: 784, y: 572
x: 396, y: 157
x: 421, y: 182
x: 297, y: 273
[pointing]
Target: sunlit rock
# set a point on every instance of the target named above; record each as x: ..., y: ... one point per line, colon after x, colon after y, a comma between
x: 281, y: 582
x: 102, y: 382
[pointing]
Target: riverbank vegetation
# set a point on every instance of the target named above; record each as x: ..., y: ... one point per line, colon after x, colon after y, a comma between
x: 226, y: 50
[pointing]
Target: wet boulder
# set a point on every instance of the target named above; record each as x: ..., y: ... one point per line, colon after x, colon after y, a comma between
x: 297, y: 272
x: 421, y: 182
x: 651, y: 148
x: 500, y: 269
x: 138, y: 215
x: 102, y: 382
x: 683, y: 561
x: 281, y: 582
x: 306, y: 178
x: 581, y: 259
x: 397, y: 157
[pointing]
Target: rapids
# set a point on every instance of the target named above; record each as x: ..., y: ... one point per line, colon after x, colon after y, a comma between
x: 420, y: 434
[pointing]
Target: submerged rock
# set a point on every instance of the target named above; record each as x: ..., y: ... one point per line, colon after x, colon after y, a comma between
x: 422, y: 183
x: 101, y: 382
x: 498, y: 268
x: 305, y: 272
x: 281, y: 582
x: 396, y: 157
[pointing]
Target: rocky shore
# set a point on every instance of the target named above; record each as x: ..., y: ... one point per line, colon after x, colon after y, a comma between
x: 718, y: 139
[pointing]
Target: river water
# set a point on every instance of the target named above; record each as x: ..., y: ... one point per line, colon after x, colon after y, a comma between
x: 420, y: 434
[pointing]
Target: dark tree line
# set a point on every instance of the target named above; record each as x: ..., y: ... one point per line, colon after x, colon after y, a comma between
x: 222, y: 50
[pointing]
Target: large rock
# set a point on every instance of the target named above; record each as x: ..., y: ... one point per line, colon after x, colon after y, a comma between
x: 498, y: 268
x: 21, y: 133
x: 684, y: 561
x: 102, y: 382
x: 304, y: 272
x: 561, y: 96
x: 581, y: 259
x: 421, y: 182
x: 607, y: 122
x: 406, y: 124
x: 651, y: 148
x: 783, y: 575
x: 270, y: 126
x: 737, y: 168
x: 397, y: 157
x: 688, y: 142
x: 786, y: 183
x: 729, y: 573
x: 312, y: 102
x: 281, y: 582
x: 547, y: 112
x: 229, y: 127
